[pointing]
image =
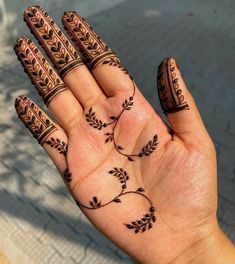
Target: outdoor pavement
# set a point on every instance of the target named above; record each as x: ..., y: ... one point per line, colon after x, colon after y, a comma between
x: 39, y: 222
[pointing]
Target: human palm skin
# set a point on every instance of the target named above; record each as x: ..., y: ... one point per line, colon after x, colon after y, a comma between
x: 141, y: 181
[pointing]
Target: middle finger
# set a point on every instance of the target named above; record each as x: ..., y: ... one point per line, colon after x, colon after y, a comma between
x: 63, y: 56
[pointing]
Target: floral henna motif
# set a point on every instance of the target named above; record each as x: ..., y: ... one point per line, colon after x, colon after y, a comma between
x: 139, y: 225
x: 94, y: 51
x: 34, y: 119
x: 53, y: 41
x: 42, y: 75
x: 170, y: 94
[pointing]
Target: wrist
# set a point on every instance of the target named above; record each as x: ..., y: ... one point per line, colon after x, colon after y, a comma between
x: 214, y: 248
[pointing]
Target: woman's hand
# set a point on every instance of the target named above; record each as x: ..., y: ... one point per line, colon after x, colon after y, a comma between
x: 148, y: 186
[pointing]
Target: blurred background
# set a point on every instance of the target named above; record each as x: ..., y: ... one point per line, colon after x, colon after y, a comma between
x: 39, y: 223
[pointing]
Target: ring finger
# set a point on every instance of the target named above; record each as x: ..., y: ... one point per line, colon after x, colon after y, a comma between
x: 53, y: 90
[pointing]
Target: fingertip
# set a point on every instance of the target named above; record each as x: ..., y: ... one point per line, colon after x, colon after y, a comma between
x: 170, y: 90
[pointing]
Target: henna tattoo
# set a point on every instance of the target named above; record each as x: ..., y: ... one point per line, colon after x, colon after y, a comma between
x: 67, y: 175
x: 93, y: 121
x: 42, y: 75
x: 143, y: 224
x: 116, y: 63
x: 53, y: 41
x: 58, y: 145
x: 94, y: 51
x: 171, y: 97
x: 96, y: 123
x: 34, y: 119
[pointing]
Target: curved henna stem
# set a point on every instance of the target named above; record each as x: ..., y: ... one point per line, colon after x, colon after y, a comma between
x: 143, y: 224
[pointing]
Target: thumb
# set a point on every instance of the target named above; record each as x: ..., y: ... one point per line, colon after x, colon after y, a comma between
x: 177, y: 102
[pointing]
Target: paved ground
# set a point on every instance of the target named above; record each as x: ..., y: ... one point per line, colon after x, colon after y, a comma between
x: 39, y: 222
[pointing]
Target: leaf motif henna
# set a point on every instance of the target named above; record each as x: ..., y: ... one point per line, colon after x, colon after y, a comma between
x: 121, y: 174
x: 93, y: 121
x: 128, y: 103
x: 34, y: 119
x: 171, y: 97
x: 150, y: 147
x: 42, y: 75
x: 116, y: 63
x: 143, y: 224
x: 53, y: 41
x: 57, y: 144
x: 67, y: 175
x: 95, y: 203
x: 146, y: 150
x: 109, y: 137
x: 93, y: 49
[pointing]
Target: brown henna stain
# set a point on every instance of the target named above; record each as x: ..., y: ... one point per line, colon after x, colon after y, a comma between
x: 53, y: 41
x: 171, y: 95
x: 42, y: 75
x: 34, y: 119
x: 93, y: 49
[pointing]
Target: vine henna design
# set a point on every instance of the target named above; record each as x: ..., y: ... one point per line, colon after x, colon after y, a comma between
x: 170, y: 94
x: 42, y: 75
x: 96, y: 123
x: 96, y: 53
x: 142, y: 224
x: 53, y: 41
x: 34, y: 119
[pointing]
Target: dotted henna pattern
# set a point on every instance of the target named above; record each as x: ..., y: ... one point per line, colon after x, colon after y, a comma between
x: 34, y: 119
x: 53, y: 41
x: 140, y: 225
x: 42, y: 75
x: 170, y: 94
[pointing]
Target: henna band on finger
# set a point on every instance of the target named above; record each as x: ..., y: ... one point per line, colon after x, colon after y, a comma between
x: 34, y: 119
x: 53, y: 41
x: 42, y: 75
x: 171, y: 95
x: 93, y: 49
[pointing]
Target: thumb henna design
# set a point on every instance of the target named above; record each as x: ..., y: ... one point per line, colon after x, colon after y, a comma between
x: 171, y: 95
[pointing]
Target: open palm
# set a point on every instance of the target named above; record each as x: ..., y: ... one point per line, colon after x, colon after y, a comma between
x: 135, y: 177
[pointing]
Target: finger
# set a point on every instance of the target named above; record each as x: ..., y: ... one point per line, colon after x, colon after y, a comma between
x: 50, y: 87
x: 177, y: 103
x: 101, y: 60
x: 63, y: 55
x: 52, y: 138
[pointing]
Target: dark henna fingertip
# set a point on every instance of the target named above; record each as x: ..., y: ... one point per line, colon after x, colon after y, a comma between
x: 94, y: 51
x: 34, y: 119
x: 171, y: 95
x: 53, y: 41
x: 42, y: 75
